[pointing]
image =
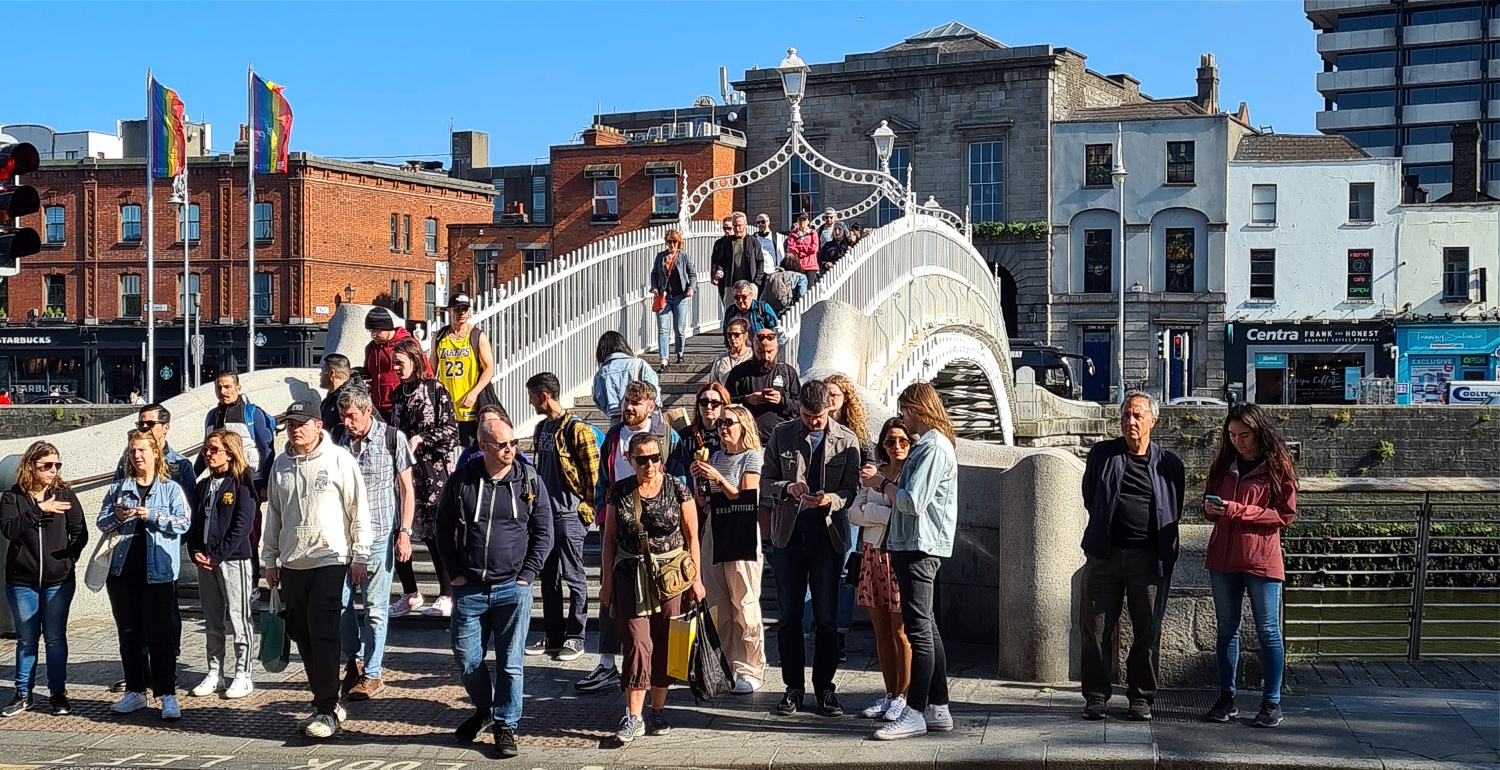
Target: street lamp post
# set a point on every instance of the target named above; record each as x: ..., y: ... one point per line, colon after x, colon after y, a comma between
x: 180, y: 198
x: 794, y: 73
x: 885, y: 144
x: 1117, y: 174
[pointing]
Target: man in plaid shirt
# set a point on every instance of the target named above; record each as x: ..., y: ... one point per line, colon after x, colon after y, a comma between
x: 566, y: 452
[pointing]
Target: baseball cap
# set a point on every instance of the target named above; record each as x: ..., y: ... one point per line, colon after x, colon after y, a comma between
x: 302, y: 411
x: 459, y: 299
x: 379, y: 319
x: 828, y: 211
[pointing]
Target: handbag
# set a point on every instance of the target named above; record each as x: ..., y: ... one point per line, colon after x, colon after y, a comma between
x: 275, y: 645
x: 709, y: 675
x: 736, y: 526
x: 97, y: 572
x: 674, y: 573
x: 659, y: 303
x: 682, y: 630
x: 853, y: 566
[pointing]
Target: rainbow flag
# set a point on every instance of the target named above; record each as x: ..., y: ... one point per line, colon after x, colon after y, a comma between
x: 271, y: 125
x: 168, y: 139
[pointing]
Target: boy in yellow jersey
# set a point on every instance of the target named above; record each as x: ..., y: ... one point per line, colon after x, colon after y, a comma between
x: 464, y: 362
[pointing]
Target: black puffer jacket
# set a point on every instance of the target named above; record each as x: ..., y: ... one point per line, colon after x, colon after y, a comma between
x: 43, y: 548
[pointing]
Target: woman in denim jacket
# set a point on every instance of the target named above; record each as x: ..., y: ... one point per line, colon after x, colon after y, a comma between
x: 673, y: 279
x: 618, y: 367
x: 151, y: 513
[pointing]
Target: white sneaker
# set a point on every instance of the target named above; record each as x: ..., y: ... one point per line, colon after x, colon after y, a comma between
x: 132, y: 701
x: 207, y: 687
x: 406, y: 604
x: 897, y: 710
x: 938, y: 719
x: 878, y: 710
x: 745, y: 685
x: 170, y: 711
x: 441, y: 608
x: 910, y: 725
x: 240, y: 687
x: 338, y: 711
x: 324, y: 726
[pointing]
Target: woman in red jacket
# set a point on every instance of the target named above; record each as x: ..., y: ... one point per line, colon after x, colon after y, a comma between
x: 802, y: 243
x: 1251, y: 496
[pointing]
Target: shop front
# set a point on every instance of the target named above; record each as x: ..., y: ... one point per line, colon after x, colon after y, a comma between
x: 1432, y: 355
x: 1309, y: 362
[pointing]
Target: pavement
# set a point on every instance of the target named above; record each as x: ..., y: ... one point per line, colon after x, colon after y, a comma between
x: 999, y: 724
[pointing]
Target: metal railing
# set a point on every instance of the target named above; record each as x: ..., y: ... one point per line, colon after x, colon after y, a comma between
x: 1394, y: 568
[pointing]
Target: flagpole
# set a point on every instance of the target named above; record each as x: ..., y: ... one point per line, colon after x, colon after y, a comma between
x: 150, y: 251
x: 250, y: 215
x: 187, y: 274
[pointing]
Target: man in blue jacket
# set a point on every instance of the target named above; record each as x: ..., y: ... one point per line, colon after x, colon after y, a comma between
x: 494, y: 530
x: 1133, y: 490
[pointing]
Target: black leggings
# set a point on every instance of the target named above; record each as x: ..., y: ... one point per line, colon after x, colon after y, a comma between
x: 408, y: 575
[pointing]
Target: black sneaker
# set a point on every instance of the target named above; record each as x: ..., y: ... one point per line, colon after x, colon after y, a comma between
x: 656, y: 722
x: 61, y: 706
x: 828, y: 704
x: 600, y: 678
x: 1140, y: 710
x: 843, y: 648
x: 1223, y: 709
x: 505, y: 742
x: 790, y: 703
x: 1095, y: 708
x: 470, y: 728
x: 18, y: 704
x: 1269, y: 716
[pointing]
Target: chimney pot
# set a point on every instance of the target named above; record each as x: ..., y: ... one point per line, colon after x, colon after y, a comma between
x: 1208, y: 84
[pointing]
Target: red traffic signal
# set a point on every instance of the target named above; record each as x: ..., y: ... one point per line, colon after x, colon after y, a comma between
x: 16, y: 159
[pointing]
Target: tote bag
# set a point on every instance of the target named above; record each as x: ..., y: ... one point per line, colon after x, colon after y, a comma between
x: 98, y: 567
x: 736, y: 527
x: 275, y: 645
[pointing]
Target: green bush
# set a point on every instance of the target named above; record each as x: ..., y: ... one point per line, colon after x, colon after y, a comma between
x: 1027, y: 231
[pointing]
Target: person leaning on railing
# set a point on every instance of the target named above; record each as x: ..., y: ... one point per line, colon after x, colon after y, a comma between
x: 1250, y: 497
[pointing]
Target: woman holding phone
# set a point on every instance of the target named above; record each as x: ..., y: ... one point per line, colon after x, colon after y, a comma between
x: 1251, y: 496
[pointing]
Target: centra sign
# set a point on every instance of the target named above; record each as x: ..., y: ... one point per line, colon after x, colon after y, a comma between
x: 1314, y: 335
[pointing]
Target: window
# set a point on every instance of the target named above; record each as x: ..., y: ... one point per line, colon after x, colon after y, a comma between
x: 1361, y: 275
x: 1263, y: 204
x: 57, y: 295
x: 395, y: 232
x: 986, y: 181
x: 1097, y: 159
x: 430, y: 232
x: 262, y: 222
x: 533, y: 258
x: 429, y: 301
x: 263, y: 293
x: 1366, y: 60
x: 1492, y: 171
x: 888, y: 212
x: 1367, y: 21
x: 4, y: 294
x: 1428, y: 135
x: 1445, y: 15
x: 70, y: 155
x: 1430, y: 175
x: 1364, y: 100
x: 1180, y: 162
x: 406, y: 233
x: 1361, y: 201
x: 1444, y: 54
x: 57, y: 224
x: 606, y: 200
x: 664, y: 196
x: 192, y: 224
x: 1469, y: 92
x: 1456, y: 274
x: 802, y: 189
x: 486, y: 261
x: 1492, y: 129
x: 1180, y: 243
x: 194, y: 281
x: 130, y: 296
x: 499, y: 199
x: 1380, y: 137
x: 1098, y: 261
x: 1263, y: 274
x: 130, y: 223
x: 538, y: 200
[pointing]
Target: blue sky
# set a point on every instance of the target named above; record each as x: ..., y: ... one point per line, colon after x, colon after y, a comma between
x: 382, y: 79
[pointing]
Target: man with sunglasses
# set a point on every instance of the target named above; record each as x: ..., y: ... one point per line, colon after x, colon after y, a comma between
x: 772, y: 244
x: 747, y: 305
x: 464, y: 362
x: 156, y: 418
x: 767, y: 387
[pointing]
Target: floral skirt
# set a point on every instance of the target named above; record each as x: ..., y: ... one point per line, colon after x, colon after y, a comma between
x: 877, y: 581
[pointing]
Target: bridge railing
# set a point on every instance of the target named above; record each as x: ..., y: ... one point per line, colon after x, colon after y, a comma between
x: 550, y: 318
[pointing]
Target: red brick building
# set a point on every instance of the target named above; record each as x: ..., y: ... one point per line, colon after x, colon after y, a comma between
x: 325, y: 232
x: 612, y: 183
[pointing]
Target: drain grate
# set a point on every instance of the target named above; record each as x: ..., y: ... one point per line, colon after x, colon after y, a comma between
x: 1182, y: 705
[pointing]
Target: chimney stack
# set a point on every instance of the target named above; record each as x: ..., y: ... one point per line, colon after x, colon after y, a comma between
x: 1208, y: 84
x: 603, y: 136
x: 1465, y: 138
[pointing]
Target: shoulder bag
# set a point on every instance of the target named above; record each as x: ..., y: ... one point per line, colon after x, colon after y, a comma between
x: 673, y: 572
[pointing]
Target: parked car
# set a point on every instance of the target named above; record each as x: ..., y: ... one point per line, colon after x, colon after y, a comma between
x: 42, y: 400
x: 1056, y: 369
x: 1197, y: 401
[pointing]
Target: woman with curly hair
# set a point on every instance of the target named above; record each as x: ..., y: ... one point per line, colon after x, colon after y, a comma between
x: 845, y: 408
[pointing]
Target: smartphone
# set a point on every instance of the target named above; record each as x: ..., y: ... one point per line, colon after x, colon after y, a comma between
x: 1215, y: 499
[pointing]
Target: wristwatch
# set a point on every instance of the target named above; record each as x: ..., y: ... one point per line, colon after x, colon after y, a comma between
x: 404, y: 530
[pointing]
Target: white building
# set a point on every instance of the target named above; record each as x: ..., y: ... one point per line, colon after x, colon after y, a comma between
x: 1310, y: 267
x: 68, y: 145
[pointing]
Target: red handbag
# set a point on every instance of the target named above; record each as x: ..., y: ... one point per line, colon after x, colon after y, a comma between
x: 658, y: 304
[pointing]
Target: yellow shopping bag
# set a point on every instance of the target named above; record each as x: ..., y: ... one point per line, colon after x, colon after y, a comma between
x: 681, y: 634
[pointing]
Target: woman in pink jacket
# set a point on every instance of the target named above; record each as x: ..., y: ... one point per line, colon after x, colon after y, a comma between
x: 1251, y: 496
x: 802, y: 243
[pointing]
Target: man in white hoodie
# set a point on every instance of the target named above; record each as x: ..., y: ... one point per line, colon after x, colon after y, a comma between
x: 317, y: 535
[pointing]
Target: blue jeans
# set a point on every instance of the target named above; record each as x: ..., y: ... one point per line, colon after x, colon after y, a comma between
x: 563, y: 572
x: 675, y: 310
x: 41, y: 612
x: 1265, y: 605
x: 808, y: 563
x: 481, y: 612
x: 364, y: 638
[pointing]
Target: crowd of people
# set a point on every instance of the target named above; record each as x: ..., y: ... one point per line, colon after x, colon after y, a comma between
x: 689, y: 507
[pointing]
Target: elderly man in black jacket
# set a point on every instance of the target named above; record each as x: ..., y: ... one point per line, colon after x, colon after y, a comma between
x: 737, y: 257
x: 1133, y: 490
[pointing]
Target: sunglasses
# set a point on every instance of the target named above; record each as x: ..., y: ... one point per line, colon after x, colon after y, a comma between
x: 765, y: 336
x: 710, y: 403
x: 212, y: 450
x: 460, y: 308
x: 742, y: 296
x: 148, y: 424
x: 50, y: 466
x: 897, y: 441
x: 645, y: 460
x: 500, y: 444
x: 737, y: 334
x: 726, y: 423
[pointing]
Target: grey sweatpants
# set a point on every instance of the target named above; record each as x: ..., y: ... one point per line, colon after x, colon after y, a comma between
x: 225, y: 593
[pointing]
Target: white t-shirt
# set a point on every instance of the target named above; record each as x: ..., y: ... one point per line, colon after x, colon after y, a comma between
x: 620, y: 460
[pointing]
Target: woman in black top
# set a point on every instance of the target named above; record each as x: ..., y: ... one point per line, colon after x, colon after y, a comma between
x: 834, y: 250
x: 43, y: 521
x: 224, y: 509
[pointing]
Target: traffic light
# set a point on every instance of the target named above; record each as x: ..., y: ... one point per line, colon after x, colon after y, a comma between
x: 1179, y: 346
x: 1161, y: 346
x: 16, y: 201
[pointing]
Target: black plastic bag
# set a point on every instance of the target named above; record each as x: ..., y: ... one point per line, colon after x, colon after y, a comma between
x: 709, y: 675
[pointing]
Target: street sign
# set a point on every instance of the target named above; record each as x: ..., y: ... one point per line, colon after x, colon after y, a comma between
x: 160, y: 307
x: 440, y: 277
x: 195, y: 346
